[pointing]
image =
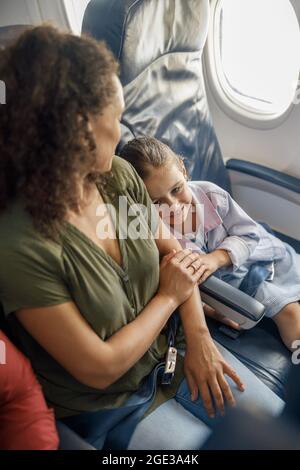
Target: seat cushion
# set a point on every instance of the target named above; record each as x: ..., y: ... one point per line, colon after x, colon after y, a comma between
x: 262, y: 351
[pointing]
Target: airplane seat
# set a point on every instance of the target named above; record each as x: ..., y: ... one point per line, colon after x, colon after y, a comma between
x: 261, y: 432
x: 162, y: 75
x: 159, y: 47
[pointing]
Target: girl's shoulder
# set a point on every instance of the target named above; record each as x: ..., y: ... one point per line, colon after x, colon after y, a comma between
x: 207, y: 187
x: 206, y: 190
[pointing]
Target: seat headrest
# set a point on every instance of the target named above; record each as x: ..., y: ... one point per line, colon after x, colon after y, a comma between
x: 159, y: 45
x: 147, y: 29
x: 10, y: 33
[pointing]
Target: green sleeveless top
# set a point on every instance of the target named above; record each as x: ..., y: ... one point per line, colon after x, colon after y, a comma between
x: 37, y: 272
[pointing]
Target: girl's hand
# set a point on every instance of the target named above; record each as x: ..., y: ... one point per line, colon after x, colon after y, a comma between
x: 211, y: 262
x: 177, y: 277
x: 205, y: 371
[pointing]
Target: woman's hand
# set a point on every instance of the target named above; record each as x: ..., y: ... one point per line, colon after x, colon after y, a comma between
x: 205, y: 371
x: 177, y: 276
x: 211, y: 262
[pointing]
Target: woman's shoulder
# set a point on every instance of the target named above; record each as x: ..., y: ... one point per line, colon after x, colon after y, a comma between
x: 32, y: 270
x: 18, y: 234
x: 123, y: 177
x: 122, y: 170
x: 120, y: 165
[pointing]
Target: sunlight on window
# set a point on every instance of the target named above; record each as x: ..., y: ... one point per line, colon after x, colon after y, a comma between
x: 75, y: 10
x: 260, y: 53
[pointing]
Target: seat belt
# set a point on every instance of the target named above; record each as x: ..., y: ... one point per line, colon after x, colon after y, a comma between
x: 118, y: 438
x: 112, y: 429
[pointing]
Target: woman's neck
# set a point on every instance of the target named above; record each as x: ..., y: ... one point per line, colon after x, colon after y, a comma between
x: 88, y: 201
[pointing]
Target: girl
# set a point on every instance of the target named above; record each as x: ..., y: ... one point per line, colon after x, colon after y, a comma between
x: 231, y: 245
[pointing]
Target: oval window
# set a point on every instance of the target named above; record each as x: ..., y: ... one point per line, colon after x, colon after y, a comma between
x: 258, y: 54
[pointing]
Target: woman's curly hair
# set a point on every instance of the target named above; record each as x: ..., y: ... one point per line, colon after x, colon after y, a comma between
x: 53, y: 82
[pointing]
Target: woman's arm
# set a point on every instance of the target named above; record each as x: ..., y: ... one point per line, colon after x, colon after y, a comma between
x: 204, y: 367
x: 192, y: 315
x: 64, y: 333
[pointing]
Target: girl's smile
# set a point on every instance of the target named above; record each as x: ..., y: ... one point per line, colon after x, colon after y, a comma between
x: 168, y: 189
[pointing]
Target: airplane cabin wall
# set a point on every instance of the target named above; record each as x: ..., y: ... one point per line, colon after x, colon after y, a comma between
x: 33, y: 12
x: 277, y: 148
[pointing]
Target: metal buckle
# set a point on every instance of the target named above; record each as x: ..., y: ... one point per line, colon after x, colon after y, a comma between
x: 171, y: 360
x: 169, y: 366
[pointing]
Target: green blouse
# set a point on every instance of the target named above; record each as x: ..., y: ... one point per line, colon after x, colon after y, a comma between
x: 37, y: 272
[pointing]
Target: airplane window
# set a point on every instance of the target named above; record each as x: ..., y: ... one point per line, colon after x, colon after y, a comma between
x: 258, y: 54
x: 75, y: 10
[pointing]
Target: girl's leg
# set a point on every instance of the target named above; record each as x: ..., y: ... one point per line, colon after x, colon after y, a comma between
x: 288, y: 323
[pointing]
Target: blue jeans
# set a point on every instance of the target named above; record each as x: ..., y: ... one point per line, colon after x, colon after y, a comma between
x: 183, y: 424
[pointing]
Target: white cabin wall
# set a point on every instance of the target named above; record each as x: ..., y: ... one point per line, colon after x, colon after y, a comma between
x: 277, y: 148
x: 33, y: 12
x: 14, y: 12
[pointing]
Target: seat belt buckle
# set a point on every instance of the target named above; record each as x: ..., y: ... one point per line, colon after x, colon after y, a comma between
x: 169, y: 366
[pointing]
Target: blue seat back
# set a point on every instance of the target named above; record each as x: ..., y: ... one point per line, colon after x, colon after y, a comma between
x: 159, y: 46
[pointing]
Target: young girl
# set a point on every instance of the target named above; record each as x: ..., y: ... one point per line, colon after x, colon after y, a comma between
x: 231, y: 245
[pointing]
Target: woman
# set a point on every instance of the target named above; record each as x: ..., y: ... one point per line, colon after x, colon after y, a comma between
x: 89, y: 304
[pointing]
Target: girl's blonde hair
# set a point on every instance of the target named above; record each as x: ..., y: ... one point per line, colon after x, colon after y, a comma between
x: 145, y: 153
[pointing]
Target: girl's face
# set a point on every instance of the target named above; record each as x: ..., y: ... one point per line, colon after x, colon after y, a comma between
x: 168, y: 188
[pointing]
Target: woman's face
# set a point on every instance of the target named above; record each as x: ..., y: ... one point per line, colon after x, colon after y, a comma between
x: 168, y: 188
x: 107, y: 130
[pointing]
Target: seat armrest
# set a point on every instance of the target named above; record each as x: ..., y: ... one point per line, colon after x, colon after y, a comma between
x: 278, y: 178
x: 232, y: 302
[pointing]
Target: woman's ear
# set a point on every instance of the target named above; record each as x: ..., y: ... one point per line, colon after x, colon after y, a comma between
x: 90, y: 127
x: 89, y: 120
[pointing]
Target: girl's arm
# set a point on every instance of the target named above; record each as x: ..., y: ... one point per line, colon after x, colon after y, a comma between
x: 213, y: 261
x: 243, y: 232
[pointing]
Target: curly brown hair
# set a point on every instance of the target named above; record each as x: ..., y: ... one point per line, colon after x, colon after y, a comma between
x: 53, y: 81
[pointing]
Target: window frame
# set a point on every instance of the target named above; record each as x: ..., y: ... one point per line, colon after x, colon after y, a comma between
x: 214, y: 74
